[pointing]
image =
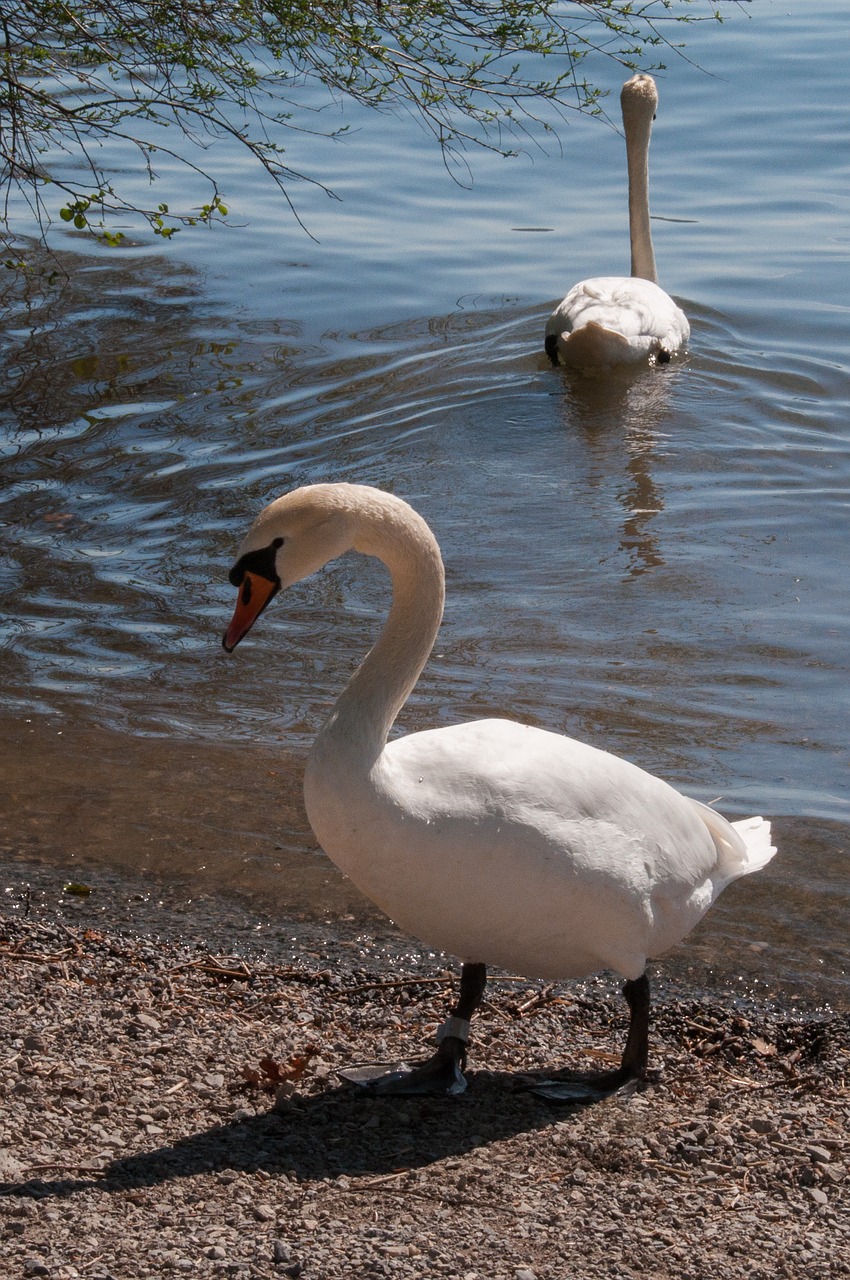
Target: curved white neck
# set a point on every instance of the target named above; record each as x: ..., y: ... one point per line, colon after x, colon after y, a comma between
x: 637, y: 158
x: 365, y: 710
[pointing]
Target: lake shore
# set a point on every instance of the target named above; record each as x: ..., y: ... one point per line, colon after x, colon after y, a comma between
x: 172, y: 1107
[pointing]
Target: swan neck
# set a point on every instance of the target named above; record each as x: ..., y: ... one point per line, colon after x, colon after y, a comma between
x: 367, y: 707
x: 640, y: 234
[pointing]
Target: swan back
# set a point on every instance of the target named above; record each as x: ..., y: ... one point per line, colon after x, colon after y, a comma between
x: 614, y: 320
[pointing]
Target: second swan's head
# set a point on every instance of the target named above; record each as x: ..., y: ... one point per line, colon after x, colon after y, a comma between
x: 639, y: 99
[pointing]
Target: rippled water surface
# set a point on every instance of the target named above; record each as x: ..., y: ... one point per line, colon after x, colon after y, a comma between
x: 657, y: 562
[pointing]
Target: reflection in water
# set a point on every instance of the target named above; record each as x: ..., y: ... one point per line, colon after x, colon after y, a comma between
x: 69, y: 338
x: 621, y: 414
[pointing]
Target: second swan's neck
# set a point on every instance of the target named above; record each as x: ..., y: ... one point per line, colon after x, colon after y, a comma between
x: 640, y: 234
x: 365, y: 710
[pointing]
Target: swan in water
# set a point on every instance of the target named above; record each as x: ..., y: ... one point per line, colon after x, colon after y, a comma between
x: 501, y: 843
x: 612, y: 320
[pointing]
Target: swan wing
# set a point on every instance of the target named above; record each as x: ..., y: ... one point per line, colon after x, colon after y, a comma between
x: 507, y: 844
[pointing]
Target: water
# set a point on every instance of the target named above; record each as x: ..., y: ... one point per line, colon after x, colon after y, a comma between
x: 656, y: 562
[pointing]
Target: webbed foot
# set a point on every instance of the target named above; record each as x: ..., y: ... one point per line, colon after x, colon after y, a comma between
x: 440, y: 1074
x: 585, y: 1088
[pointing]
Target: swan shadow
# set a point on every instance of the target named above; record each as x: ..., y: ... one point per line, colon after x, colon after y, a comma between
x: 342, y: 1131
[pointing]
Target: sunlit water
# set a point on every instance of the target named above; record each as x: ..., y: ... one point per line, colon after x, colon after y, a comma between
x: 656, y: 563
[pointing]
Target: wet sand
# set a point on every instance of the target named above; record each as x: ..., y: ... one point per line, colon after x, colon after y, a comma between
x: 189, y: 821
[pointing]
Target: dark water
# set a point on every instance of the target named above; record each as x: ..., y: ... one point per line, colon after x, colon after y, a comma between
x: 657, y: 563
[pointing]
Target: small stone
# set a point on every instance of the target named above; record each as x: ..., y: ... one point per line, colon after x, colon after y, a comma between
x: 10, y: 1168
x: 280, y: 1253
x: 215, y: 1080
x: 818, y: 1196
x: 148, y: 1021
x: 819, y: 1154
x: 264, y: 1213
x: 216, y: 1253
x: 524, y: 1273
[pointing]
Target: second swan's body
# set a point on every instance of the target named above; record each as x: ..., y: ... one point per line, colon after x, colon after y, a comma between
x: 614, y: 320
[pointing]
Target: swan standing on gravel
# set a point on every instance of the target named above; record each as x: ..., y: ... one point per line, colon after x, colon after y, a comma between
x: 498, y: 842
x: 613, y: 320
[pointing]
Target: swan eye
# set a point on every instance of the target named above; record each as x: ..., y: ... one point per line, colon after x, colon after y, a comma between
x: 261, y: 562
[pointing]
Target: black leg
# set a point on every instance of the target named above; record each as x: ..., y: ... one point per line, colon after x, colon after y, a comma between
x: 568, y: 1087
x: 636, y: 1052
x: 473, y: 980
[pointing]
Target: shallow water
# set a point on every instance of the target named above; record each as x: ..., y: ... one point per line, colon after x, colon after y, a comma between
x: 655, y: 562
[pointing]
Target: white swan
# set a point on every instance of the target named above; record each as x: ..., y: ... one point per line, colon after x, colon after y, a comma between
x: 613, y: 320
x: 498, y: 842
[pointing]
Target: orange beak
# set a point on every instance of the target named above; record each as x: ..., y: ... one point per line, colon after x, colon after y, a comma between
x: 255, y: 593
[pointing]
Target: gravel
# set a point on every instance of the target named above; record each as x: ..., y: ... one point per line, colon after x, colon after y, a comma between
x: 171, y: 1108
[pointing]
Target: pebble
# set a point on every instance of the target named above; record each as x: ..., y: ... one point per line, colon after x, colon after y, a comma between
x: 495, y: 1185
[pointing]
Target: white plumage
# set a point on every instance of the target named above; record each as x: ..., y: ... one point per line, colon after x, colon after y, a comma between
x: 498, y: 842
x: 612, y: 320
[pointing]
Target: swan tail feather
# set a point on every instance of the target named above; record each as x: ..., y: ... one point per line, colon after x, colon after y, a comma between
x: 743, y: 846
x: 594, y: 344
x: 755, y: 833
